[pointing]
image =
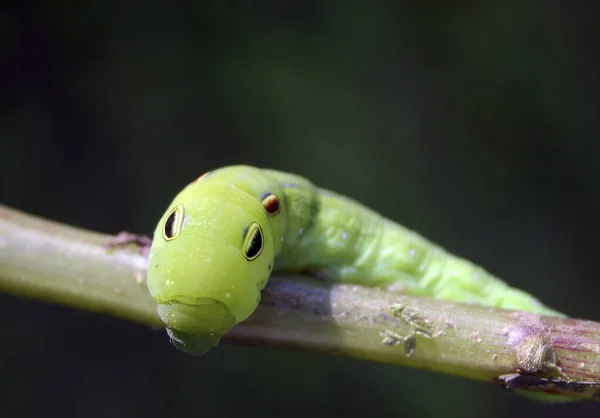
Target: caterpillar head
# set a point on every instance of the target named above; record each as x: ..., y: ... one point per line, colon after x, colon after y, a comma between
x: 211, y: 256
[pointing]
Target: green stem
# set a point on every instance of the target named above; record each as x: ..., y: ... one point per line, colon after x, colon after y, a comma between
x: 61, y: 264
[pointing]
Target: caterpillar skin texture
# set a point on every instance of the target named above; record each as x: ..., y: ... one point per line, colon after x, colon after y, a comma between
x: 224, y: 234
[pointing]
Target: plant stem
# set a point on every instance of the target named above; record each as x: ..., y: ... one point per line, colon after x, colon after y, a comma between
x: 57, y: 263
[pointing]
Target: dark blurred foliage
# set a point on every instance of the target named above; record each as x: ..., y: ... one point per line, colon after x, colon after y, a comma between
x: 474, y: 123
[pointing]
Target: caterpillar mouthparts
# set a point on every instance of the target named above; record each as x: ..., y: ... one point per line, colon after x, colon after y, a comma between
x: 195, y: 326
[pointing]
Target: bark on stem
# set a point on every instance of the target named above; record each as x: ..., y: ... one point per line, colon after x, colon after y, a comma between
x: 57, y: 263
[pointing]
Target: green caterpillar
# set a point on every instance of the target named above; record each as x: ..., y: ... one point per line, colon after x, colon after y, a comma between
x: 224, y: 234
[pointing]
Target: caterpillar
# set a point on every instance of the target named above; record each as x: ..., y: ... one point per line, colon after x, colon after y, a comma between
x: 226, y: 232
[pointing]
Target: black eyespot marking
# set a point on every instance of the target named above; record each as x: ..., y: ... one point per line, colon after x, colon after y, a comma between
x: 253, y: 241
x: 169, y: 226
x: 271, y: 203
x: 173, y: 223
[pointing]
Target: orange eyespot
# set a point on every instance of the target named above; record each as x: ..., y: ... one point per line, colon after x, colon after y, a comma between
x: 202, y: 176
x: 271, y: 204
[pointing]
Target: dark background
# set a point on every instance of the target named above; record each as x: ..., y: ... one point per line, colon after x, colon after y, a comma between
x: 473, y: 123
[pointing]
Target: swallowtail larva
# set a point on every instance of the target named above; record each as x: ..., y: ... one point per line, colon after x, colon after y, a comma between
x: 225, y: 233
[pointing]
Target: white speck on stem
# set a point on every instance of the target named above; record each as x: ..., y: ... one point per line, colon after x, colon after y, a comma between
x: 139, y: 278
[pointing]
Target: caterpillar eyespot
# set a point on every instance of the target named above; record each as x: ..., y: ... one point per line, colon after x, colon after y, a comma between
x: 173, y: 223
x: 208, y: 173
x: 253, y: 241
x: 271, y: 204
x: 212, y: 253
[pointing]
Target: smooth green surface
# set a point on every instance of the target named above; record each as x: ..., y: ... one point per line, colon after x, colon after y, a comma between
x: 217, y: 244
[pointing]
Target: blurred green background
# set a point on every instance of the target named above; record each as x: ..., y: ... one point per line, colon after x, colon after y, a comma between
x: 472, y: 123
